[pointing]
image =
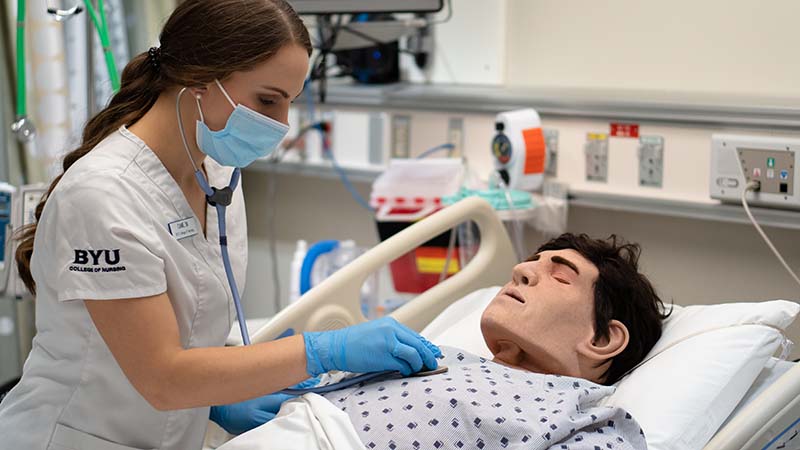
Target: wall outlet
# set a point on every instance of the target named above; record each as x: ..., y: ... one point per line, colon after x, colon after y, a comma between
x: 455, y: 136
x: 401, y: 136
x: 651, y: 161
x: 551, y: 143
x: 376, y: 153
x: 596, y: 149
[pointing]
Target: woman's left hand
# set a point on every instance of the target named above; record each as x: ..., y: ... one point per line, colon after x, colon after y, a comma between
x: 237, y: 418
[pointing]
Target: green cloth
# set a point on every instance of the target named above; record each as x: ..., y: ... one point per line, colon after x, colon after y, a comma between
x: 495, y: 197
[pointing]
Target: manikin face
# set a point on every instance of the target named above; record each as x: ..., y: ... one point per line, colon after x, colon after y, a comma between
x: 543, y: 319
x: 268, y: 88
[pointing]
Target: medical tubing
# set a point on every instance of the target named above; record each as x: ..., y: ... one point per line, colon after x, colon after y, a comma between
x: 753, y: 186
x: 349, y: 186
x: 99, y: 21
x: 223, y: 246
x: 364, y: 377
x: 309, y: 94
x: 112, y: 65
x: 328, y: 152
x: 226, y: 261
x: 101, y: 13
x: 447, y: 146
x: 22, y: 109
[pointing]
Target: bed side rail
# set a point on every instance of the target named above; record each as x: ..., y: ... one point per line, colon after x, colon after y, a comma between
x: 755, y: 427
x: 336, y: 302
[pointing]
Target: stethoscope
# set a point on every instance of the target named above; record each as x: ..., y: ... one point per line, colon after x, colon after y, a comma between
x: 221, y: 199
x: 362, y: 378
x: 23, y: 127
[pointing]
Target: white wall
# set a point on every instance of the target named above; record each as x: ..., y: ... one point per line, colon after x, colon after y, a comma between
x: 680, y: 48
x: 689, y: 261
x: 710, y: 46
x: 468, y: 48
x: 306, y: 208
x: 686, y: 149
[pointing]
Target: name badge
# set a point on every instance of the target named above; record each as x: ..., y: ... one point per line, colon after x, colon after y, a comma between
x: 183, y: 228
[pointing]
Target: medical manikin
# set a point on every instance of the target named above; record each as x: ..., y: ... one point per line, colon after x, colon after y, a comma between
x: 574, y: 319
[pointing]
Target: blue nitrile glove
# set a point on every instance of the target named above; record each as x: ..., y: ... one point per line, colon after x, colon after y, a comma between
x: 382, y: 344
x: 237, y: 418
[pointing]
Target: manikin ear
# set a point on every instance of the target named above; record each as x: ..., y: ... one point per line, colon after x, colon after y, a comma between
x: 603, y: 349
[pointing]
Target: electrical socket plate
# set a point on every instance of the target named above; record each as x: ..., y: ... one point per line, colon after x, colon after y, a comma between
x: 455, y: 136
x: 596, y: 149
x: 376, y: 152
x: 551, y: 143
x: 651, y: 161
x: 401, y: 136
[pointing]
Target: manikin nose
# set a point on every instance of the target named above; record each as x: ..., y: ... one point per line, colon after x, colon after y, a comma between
x: 525, y: 274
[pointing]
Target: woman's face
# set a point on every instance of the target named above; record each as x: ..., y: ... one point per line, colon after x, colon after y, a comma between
x: 268, y: 88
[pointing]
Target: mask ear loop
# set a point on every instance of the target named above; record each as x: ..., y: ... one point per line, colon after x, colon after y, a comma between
x: 225, y: 93
x: 199, y: 109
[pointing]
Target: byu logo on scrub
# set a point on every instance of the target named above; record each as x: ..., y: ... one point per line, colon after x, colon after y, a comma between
x: 82, y: 256
x: 103, y: 260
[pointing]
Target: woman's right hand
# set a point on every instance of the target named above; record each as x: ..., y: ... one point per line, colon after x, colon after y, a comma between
x: 374, y: 346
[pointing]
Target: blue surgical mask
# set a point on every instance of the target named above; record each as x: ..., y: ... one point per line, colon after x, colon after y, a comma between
x: 247, y: 135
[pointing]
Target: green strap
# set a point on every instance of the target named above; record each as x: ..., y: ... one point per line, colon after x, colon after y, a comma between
x: 21, y: 82
x: 98, y: 17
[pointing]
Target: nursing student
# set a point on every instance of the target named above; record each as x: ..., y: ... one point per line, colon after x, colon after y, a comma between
x: 135, y: 283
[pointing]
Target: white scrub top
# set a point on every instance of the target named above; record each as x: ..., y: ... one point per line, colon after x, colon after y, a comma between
x: 118, y: 226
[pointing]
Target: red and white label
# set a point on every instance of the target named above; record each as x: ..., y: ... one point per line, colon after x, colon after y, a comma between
x: 630, y: 130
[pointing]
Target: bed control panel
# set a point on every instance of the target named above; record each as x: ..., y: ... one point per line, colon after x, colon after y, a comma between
x: 772, y: 169
x: 773, y: 162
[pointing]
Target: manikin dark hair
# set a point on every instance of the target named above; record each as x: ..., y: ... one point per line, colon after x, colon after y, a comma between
x: 620, y: 293
x: 201, y: 41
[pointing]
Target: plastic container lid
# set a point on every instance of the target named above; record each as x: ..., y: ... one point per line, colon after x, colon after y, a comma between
x: 417, y: 181
x: 495, y: 197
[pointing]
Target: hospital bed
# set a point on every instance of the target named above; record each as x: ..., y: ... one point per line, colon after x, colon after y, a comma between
x: 772, y: 416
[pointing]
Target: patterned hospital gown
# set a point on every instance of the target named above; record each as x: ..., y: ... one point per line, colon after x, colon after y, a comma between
x: 479, y: 404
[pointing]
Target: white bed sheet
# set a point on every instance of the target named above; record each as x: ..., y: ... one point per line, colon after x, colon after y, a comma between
x: 309, y: 422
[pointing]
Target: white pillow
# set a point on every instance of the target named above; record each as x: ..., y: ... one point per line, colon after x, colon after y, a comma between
x: 711, y: 356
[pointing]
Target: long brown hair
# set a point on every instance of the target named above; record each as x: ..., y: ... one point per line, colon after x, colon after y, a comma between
x: 202, y: 40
